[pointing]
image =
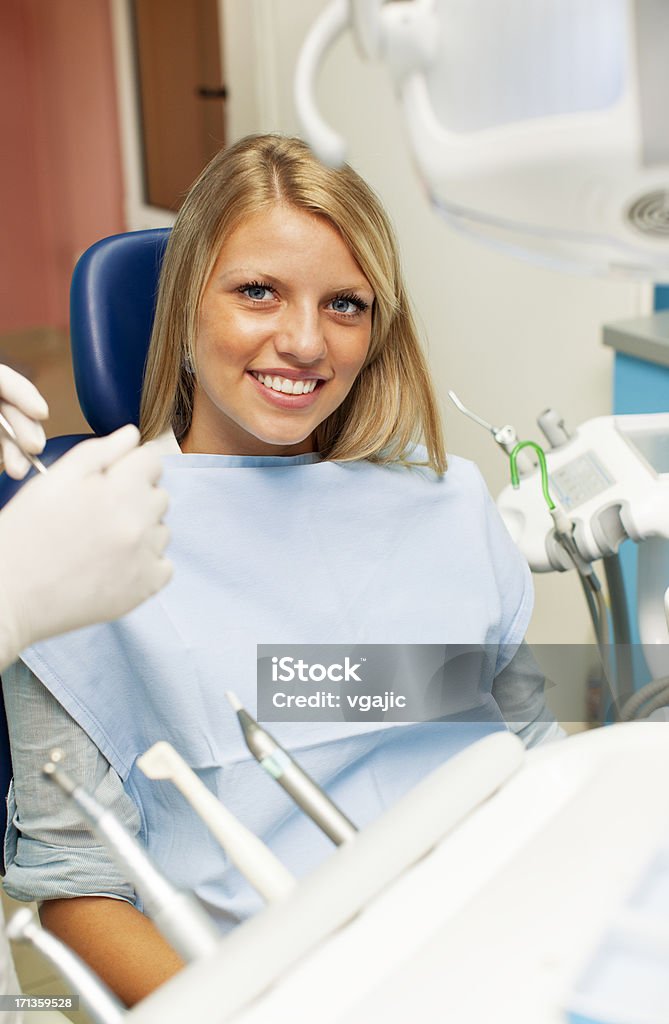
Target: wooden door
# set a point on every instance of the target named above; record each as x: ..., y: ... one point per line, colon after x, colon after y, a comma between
x: 182, y: 96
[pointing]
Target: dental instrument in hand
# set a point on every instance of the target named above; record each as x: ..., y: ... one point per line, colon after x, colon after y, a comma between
x: 246, y: 851
x: 100, y: 1003
x: 177, y: 915
x: 8, y: 429
x: 506, y: 436
x: 278, y: 763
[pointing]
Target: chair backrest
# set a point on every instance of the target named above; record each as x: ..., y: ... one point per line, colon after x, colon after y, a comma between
x: 112, y: 304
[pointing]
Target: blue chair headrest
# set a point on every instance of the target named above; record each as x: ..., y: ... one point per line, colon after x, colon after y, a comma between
x: 112, y: 304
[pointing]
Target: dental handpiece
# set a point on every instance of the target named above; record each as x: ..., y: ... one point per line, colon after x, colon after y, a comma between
x: 176, y: 914
x: 306, y: 793
x: 248, y: 853
x: 100, y: 1003
x: 8, y: 429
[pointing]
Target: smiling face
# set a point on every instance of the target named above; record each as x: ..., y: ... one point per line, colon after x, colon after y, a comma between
x: 284, y: 329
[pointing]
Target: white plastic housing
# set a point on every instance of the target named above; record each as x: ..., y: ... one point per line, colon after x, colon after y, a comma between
x: 611, y: 478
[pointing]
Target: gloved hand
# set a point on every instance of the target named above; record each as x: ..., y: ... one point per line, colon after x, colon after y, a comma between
x: 22, y: 404
x: 82, y: 544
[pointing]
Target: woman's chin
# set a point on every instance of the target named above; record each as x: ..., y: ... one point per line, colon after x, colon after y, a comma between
x: 284, y: 443
x: 291, y: 447
x: 283, y: 436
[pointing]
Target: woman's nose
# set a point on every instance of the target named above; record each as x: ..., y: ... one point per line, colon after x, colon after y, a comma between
x: 302, y: 335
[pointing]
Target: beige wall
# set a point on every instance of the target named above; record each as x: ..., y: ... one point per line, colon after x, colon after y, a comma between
x: 509, y: 338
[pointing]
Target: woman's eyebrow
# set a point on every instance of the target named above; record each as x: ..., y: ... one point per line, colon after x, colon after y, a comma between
x: 359, y: 287
x: 236, y: 271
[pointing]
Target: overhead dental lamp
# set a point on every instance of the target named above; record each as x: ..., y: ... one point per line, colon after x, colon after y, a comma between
x: 538, y: 126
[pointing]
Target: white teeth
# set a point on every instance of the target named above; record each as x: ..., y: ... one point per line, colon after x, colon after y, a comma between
x: 285, y: 385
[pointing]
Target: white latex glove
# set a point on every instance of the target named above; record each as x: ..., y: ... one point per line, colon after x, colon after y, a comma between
x: 82, y: 544
x: 22, y: 404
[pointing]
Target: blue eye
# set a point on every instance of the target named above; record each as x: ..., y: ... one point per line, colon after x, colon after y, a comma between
x: 344, y: 306
x: 256, y: 291
x: 349, y: 305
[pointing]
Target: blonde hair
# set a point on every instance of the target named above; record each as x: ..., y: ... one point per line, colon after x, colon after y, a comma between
x: 391, y: 404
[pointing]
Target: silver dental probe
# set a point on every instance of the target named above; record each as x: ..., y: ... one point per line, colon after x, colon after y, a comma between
x: 506, y: 436
x: 8, y: 429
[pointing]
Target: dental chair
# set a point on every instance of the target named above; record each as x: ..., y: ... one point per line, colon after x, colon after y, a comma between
x: 112, y: 304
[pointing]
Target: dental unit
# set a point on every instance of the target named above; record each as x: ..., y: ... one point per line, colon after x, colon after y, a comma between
x: 282, y: 936
x: 465, y: 829
x: 248, y: 853
x: 609, y: 481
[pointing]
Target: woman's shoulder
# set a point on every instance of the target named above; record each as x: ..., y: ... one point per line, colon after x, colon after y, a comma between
x: 460, y: 473
x: 460, y: 492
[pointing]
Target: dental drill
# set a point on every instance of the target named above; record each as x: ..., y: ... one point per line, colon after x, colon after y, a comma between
x: 278, y: 763
x: 177, y: 915
x: 100, y: 1003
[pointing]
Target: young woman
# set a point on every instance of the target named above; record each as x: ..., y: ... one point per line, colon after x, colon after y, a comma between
x: 286, y: 386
